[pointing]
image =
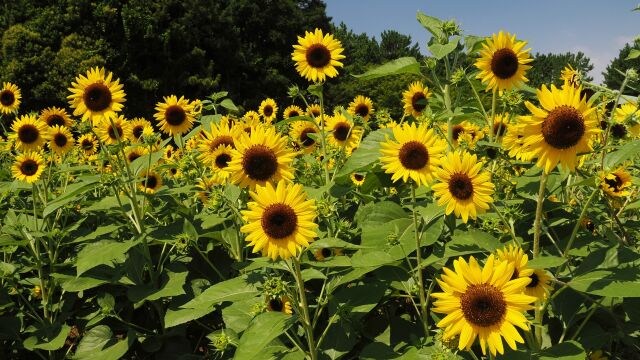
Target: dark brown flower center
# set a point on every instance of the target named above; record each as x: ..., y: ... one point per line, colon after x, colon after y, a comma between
x: 151, y: 182
x: 293, y: 113
x: 326, y: 252
x: 318, y: 56
x: 137, y: 131
x: 279, y: 221
x: 362, y: 110
x: 54, y: 120
x: 563, y: 127
x: 29, y: 167
x: 499, y: 128
x: 358, y: 177
x: 175, y: 115
x: 97, y: 97
x: 60, y: 139
x: 535, y: 280
x: 460, y: 186
x: 413, y: 155
x: 222, y: 140
x: 275, y: 304
x: 222, y: 160
x: 618, y: 131
x: 504, y: 63
x: 267, y: 110
x: 7, y: 98
x: 132, y: 156
x: 259, y: 163
x: 456, y: 131
x: 112, y: 131
x: 28, y: 134
x: 614, y: 183
x: 315, y: 112
x: 341, y: 131
x: 483, y: 305
x: 86, y: 144
x: 305, y: 139
x: 419, y: 101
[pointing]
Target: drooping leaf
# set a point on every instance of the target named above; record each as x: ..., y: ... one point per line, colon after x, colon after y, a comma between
x: 439, y: 51
x: 73, y: 192
x: 432, y: 24
x: 403, y: 65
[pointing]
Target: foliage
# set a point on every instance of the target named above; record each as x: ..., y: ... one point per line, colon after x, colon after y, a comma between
x: 548, y: 67
x: 614, y: 74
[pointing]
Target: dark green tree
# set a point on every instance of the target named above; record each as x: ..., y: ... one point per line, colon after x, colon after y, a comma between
x: 613, y: 75
x: 394, y: 45
x: 548, y: 67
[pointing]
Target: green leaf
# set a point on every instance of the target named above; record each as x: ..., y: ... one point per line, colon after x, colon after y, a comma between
x: 379, y: 213
x: 626, y: 152
x: 371, y: 259
x: 262, y: 330
x: 229, y: 105
x: 73, y: 192
x: 546, y: 262
x: 99, y: 344
x: 142, y: 163
x: 366, y: 154
x: 473, y: 43
x: 231, y: 290
x: 173, y: 280
x: 102, y: 252
x: 470, y: 242
x: 616, y: 282
x: 48, y: 338
x: 569, y: 350
x: 403, y: 65
x: 432, y: 24
x: 238, y: 315
x: 634, y: 53
x: 439, y: 51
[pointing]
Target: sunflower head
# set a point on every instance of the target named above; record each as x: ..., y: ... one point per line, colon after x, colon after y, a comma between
x: 113, y: 131
x: 357, y: 179
x: 9, y: 98
x: 503, y: 62
x: 268, y: 110
x: 484, y: 303
x: 314, y: 111
x: 518, y: 258
x: 280, y: 304
x: 570, y: 76
x: 317, y: 56
x: 324, y: 253
x: 53, y: 116
x: 28, y: 167
x: 150, y: 182
x: 342, y: 132
x: 280, y: 220
x: 302, y: 135
x: 361, y: 106
x: 88, y: 144
x: 29, y: 133
x: 414, y: 153
x: 136, y: 131
x: 60, y: 140
x: 175, y: 115
x: 540, y: 284
x: 616, y: 183
x: 96, y: 96
x: 416, y: 99
x: 292, y: 111
x: 462, y: 188
x: 563, y: 128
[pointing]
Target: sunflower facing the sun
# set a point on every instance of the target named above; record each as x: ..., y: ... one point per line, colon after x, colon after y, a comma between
x: 503, y: 62
x: 60, y: 140
x: 414, y: 153
x: 563, y: 128
x: 29, y: 133
x: 300, y: 134
x: 280, y: 220
x: 53, y: 116
x: 175, y: 116
x: 112, y: 131
x: 616, y: 183
x: 9, y: 98
x: 28, y: 167
x: 484, y: 303
x: 268, y: 110
x: 88, y: 144
x: 361, y: 106
x: 416, y: 99
x: 96, y: 96
x: 342, y: 132
x: 292, y: 111
x: 462, y: 188
x: 317, y: 56
x: 260, y: 158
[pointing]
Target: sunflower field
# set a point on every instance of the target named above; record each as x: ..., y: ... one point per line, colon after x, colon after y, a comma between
x: 492, y: 220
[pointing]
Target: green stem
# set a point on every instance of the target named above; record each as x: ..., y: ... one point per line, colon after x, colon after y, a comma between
x: 306, y: 320
x: 423, y: 301
x: 323, y: 141
x: 576, y: 227
x: 536, y: 251
x: 493, y: 114
x: 608, y: 131
x: 507, y: 224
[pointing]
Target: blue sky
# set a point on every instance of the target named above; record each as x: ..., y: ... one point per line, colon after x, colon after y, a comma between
x: 597, y: 28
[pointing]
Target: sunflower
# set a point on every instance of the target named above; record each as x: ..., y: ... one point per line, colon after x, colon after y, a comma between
x: 150, y: 182
x: 560, y: 130
x: 413, y: 154
x: 629, y: 113
x: 322, y: 254
x: 205, y: 187
x: 28, y: 166
x: 219, y: 163
x: 175, y: 116
x: 252, y: 116
x: 136, y: 130
x: 342, y: 132
x: 53, y: 116
x: 500, y: 125
x: 518, y: 258
x: 503, y: 62
x: 300, y: 131
x: 280, y: 304
x: 357, y: 179
x: 513, y: 142
x: 616, y: 183
x: 96, y: 96
x: 314, y: 110
x: 484, y: 303
x: 88, y: 144
x: 280, y: 220
x: 222, y: 134
x: 540, y: 286
x: 260, y: 158
x: 415, y: 99
x: 29, y: 133
x: 9, y: 98
x: 110, y: 131
x: 570, y: 75
x: 361, y: 106
x: 462, y: 187
x: 61, y: 140
x: 170, y: 153
x: 134, y: 152
x: 268, y: 110
x: 292, y: 111
x: 317, y: 56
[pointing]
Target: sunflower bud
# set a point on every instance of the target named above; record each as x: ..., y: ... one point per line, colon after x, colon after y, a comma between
x: 632, y: 74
